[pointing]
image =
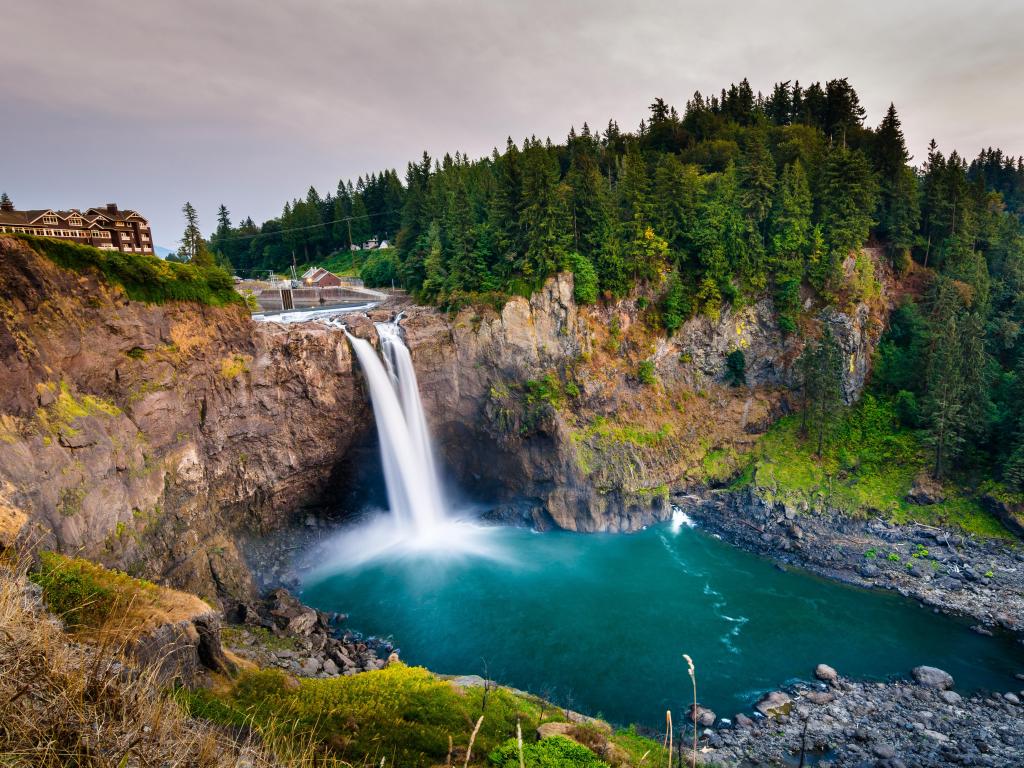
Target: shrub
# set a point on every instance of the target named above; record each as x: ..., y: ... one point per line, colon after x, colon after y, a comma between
x: 552, y: 752
x: 143, y: 277
x: 736, y: 368
x: 645, y: 372
x: 73, y: 591
x: 380, y: 269
x: 584, y: 279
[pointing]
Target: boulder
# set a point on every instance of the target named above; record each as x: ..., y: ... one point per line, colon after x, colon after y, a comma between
x: 826, y: 673
x: 933, y: 677
x: 743, y: 722
x: 775, y: 704
x: 926, y: 490
x: 702, y: 716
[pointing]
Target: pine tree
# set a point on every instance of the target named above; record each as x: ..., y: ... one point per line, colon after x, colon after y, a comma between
x: 434, y: 266
x: 193, y: 247
x: 675, y: 191
x: 898, y: 207
x: 944, y: 380
x: 791, y: 232
x: 846, y: 209
x: 821, y: 368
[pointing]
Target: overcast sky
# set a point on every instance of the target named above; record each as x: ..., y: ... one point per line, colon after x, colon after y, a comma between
x: 247, y: 103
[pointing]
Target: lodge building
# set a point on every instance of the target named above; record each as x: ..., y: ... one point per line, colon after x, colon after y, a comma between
x: 108, y: 228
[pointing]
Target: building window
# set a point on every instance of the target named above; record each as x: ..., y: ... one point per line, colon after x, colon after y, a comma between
x: 49, y: 219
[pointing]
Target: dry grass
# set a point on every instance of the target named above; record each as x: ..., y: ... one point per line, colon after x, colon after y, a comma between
x: 104, y: 605
x: 64, y: 703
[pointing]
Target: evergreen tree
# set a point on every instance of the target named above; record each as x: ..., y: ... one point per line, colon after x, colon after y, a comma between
x: 821, y: 368
x: 898, y: 208
x: 791, y: 234
x: 193, y: 247
x: 846, y: 209
x: 944, y: 380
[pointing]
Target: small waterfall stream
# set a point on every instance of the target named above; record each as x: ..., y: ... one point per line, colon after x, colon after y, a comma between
x: 410, y: 472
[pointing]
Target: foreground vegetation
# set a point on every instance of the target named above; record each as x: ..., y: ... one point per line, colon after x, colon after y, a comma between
x: 143, y: 277
x: 404, y: 715
x: 867, y: 466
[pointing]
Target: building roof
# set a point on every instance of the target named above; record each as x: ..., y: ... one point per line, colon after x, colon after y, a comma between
x: 88, y: 217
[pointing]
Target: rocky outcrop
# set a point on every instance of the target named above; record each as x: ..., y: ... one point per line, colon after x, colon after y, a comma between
x: 589, y: 418
x: 146, y: 436
x: 957, y: 574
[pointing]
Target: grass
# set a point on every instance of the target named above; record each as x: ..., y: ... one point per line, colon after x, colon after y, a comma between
x: 143, y: 277
x: 65, y: 704
x: 94, y: 601
x: 867, y: 467
x: 608, y: 433
x: 235, y: 366
x: 405, y: 714
x: 65, y: 409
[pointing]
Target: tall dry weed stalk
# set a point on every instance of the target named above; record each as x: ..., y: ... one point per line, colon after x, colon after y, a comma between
x: 693, y: 679
x: 472, y: 739
x: 67, y: 702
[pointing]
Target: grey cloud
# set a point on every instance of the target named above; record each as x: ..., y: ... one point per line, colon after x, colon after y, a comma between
x: 250, y: 102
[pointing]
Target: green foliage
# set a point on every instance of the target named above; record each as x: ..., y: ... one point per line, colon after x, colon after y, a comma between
x: 867, y: 466
x: 645, y: 373
x: 380, y: 270
x: 736, y: 368
x: 585, y: 284
x: 403, y: 712
x: 73, y: 591
x: 143, y: 277
x: 547, y: 389
x: 552, y: 752
x: 675, y: 306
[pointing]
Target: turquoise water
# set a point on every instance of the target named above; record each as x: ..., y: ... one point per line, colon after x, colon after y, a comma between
x: 600, y: 622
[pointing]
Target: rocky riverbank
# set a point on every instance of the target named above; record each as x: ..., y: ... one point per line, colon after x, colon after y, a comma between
x: 840, y: 723
x: 952, y: 573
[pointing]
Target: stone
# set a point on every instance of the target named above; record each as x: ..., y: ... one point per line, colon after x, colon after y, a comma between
x: 309, y: 666
x: 701, y: 715
x: 869, y: 570
x: 819, y: 697
x: 743, y: 722
x: 933, y: 677
x: 1013, y: 698
x: 330, y: 667
x: 951, y: 697
x: 826, y: 673
x: 547, y: 730
x: 884, y: 750
x: 926, y: 490
x: 774, y: 704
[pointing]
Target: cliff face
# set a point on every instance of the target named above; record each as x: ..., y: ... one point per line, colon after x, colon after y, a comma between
x: 145, y: 436
x: 590, y: 419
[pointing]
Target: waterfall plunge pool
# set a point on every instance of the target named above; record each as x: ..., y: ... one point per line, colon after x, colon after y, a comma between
x: 596, y: 622
x: 599, y: 622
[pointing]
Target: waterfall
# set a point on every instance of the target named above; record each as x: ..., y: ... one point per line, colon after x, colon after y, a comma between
x: 410, y: 472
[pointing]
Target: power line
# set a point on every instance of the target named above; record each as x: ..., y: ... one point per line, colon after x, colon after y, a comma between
x: 312, y: 226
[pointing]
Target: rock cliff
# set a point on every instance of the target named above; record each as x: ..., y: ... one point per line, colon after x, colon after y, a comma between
x: 589, y: 418
x: 146, y: 436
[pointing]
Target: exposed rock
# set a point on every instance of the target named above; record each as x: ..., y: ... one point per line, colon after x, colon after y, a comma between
x: 933, y: 677
x: 774, y: 704
x: 199, y: 422
x: 826, y: 673
x: 701, y: 716
x: 926, y: 490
